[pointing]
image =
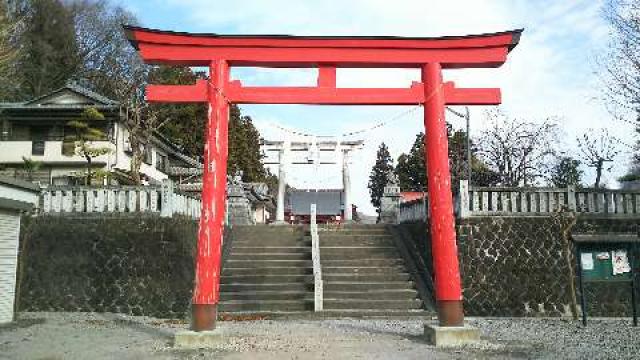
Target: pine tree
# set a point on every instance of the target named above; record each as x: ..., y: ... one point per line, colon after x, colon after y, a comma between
x: 411, y: 170
x: 566, y: 171
x: 183, y: 123
x: 244, y: 147
x: 49, y: 56
x: 379, y: 174
x: 85, y: 131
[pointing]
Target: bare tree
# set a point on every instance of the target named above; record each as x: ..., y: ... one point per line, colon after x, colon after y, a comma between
x: 9, y: 51
x: 598, y: 148
x: 518, y: 151
x: 622, y: 64
x: 110, y: 64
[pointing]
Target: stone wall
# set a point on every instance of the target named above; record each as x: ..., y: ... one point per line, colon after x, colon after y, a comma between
x: 140, y: 265
x: 516, y: 266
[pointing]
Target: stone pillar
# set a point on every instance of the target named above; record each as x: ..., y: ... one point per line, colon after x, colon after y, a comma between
x: 282, y: 185
x: 238, y: 205
x: 390, y: 204
x: 346, y: 185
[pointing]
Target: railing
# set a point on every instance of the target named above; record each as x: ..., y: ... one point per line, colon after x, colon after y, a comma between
x: 161, y: 200
x: 413, y: 210
x: 532, y: 201
x: 315, y: 257
x: 484, y: 201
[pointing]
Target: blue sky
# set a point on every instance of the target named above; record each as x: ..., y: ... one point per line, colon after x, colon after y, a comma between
x: 552, y: 73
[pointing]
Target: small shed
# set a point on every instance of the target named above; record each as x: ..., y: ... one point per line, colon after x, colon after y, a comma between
x: 15, y: 197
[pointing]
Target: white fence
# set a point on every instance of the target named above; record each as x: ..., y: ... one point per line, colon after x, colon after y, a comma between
x: 509, y: 201
x: 118, y: 199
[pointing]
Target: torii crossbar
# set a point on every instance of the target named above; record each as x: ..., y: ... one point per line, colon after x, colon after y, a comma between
x: 326, y: 53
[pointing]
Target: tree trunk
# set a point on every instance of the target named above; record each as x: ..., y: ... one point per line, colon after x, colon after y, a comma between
x: 598, y: 172
x: 88, y: 178
x: 136, y: 159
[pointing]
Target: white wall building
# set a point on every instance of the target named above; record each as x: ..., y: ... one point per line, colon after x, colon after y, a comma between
x: 35, y: 130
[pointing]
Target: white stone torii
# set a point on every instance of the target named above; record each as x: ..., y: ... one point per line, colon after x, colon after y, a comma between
x: 314, y: 152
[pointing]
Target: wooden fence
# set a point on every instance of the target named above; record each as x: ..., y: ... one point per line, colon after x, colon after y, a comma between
x: 118, y: 199
x: 510, y: 201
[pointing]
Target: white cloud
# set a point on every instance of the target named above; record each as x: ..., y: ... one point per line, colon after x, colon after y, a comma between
x: 550, y: 73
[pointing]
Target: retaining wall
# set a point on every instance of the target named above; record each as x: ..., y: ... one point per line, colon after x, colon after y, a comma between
x: 516, y: 265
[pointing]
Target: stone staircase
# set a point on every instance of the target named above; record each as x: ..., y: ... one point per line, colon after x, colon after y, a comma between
x: 268, y: 271
x: 364, y: 275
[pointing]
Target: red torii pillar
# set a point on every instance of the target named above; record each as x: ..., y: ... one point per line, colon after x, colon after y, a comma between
x: 219, y: 52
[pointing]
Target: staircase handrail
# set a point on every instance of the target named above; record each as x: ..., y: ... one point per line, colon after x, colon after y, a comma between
x: 315, y: 257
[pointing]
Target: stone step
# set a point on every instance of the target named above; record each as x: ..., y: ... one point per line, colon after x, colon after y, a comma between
x: 355, y: 256
x: 241, y: 249
x: 350, y: 251
x: 362, y: 269
x: 271, y: 242
x: 252, y: 263
x: 370, y: 278
x: 267, y: 295
x: 267, y: 229
x: 229, y: 271
x: 402, y: 294
x: 405, y: 314
x: 359, y: 304
x: 330, y: 286
x: 354, y: 237
x: 235, y: 287
x: 269, y: 256
x: 271, y: 305
x: 364, y: 262
x: 362, y: 242
x: 261, y: 278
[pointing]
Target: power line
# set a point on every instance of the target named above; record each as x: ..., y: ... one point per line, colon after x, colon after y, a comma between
x: 351, y: 133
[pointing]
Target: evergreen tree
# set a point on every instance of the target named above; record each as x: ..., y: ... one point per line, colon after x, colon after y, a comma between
x: 411, y: 169
x: 81, y: 141
x: 566, y: 171
x: 244, y: 147
x: 183, y: 123
x: 378, y: 176
x: 49, y: 56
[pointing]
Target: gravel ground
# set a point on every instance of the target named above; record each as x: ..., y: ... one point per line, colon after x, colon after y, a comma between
x: 54, y: 336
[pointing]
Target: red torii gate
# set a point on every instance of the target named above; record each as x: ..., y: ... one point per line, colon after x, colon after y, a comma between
x: 327, y: 53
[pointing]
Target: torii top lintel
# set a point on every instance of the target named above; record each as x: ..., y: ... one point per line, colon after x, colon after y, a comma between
x: 194, y: 49
x: 326, y: 53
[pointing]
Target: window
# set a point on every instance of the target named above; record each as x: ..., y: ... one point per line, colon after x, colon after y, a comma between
x: 147, y: 155
x: 6, y: 129
x: 37, y: 147
x: 161, y: 162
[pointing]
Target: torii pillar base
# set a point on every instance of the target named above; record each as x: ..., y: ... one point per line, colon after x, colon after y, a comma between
x: 211, y: 339
x: 450, y: 336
